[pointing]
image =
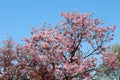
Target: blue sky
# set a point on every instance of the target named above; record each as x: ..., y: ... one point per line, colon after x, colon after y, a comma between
x: 18, y: 16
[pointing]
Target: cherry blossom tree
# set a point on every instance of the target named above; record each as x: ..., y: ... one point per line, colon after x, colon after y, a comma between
x: 69, y: 51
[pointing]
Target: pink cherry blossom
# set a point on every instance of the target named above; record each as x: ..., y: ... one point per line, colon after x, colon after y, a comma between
x: 65, y: 52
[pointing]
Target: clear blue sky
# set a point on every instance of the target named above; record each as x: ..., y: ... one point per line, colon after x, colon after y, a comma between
x: 18, y: 16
